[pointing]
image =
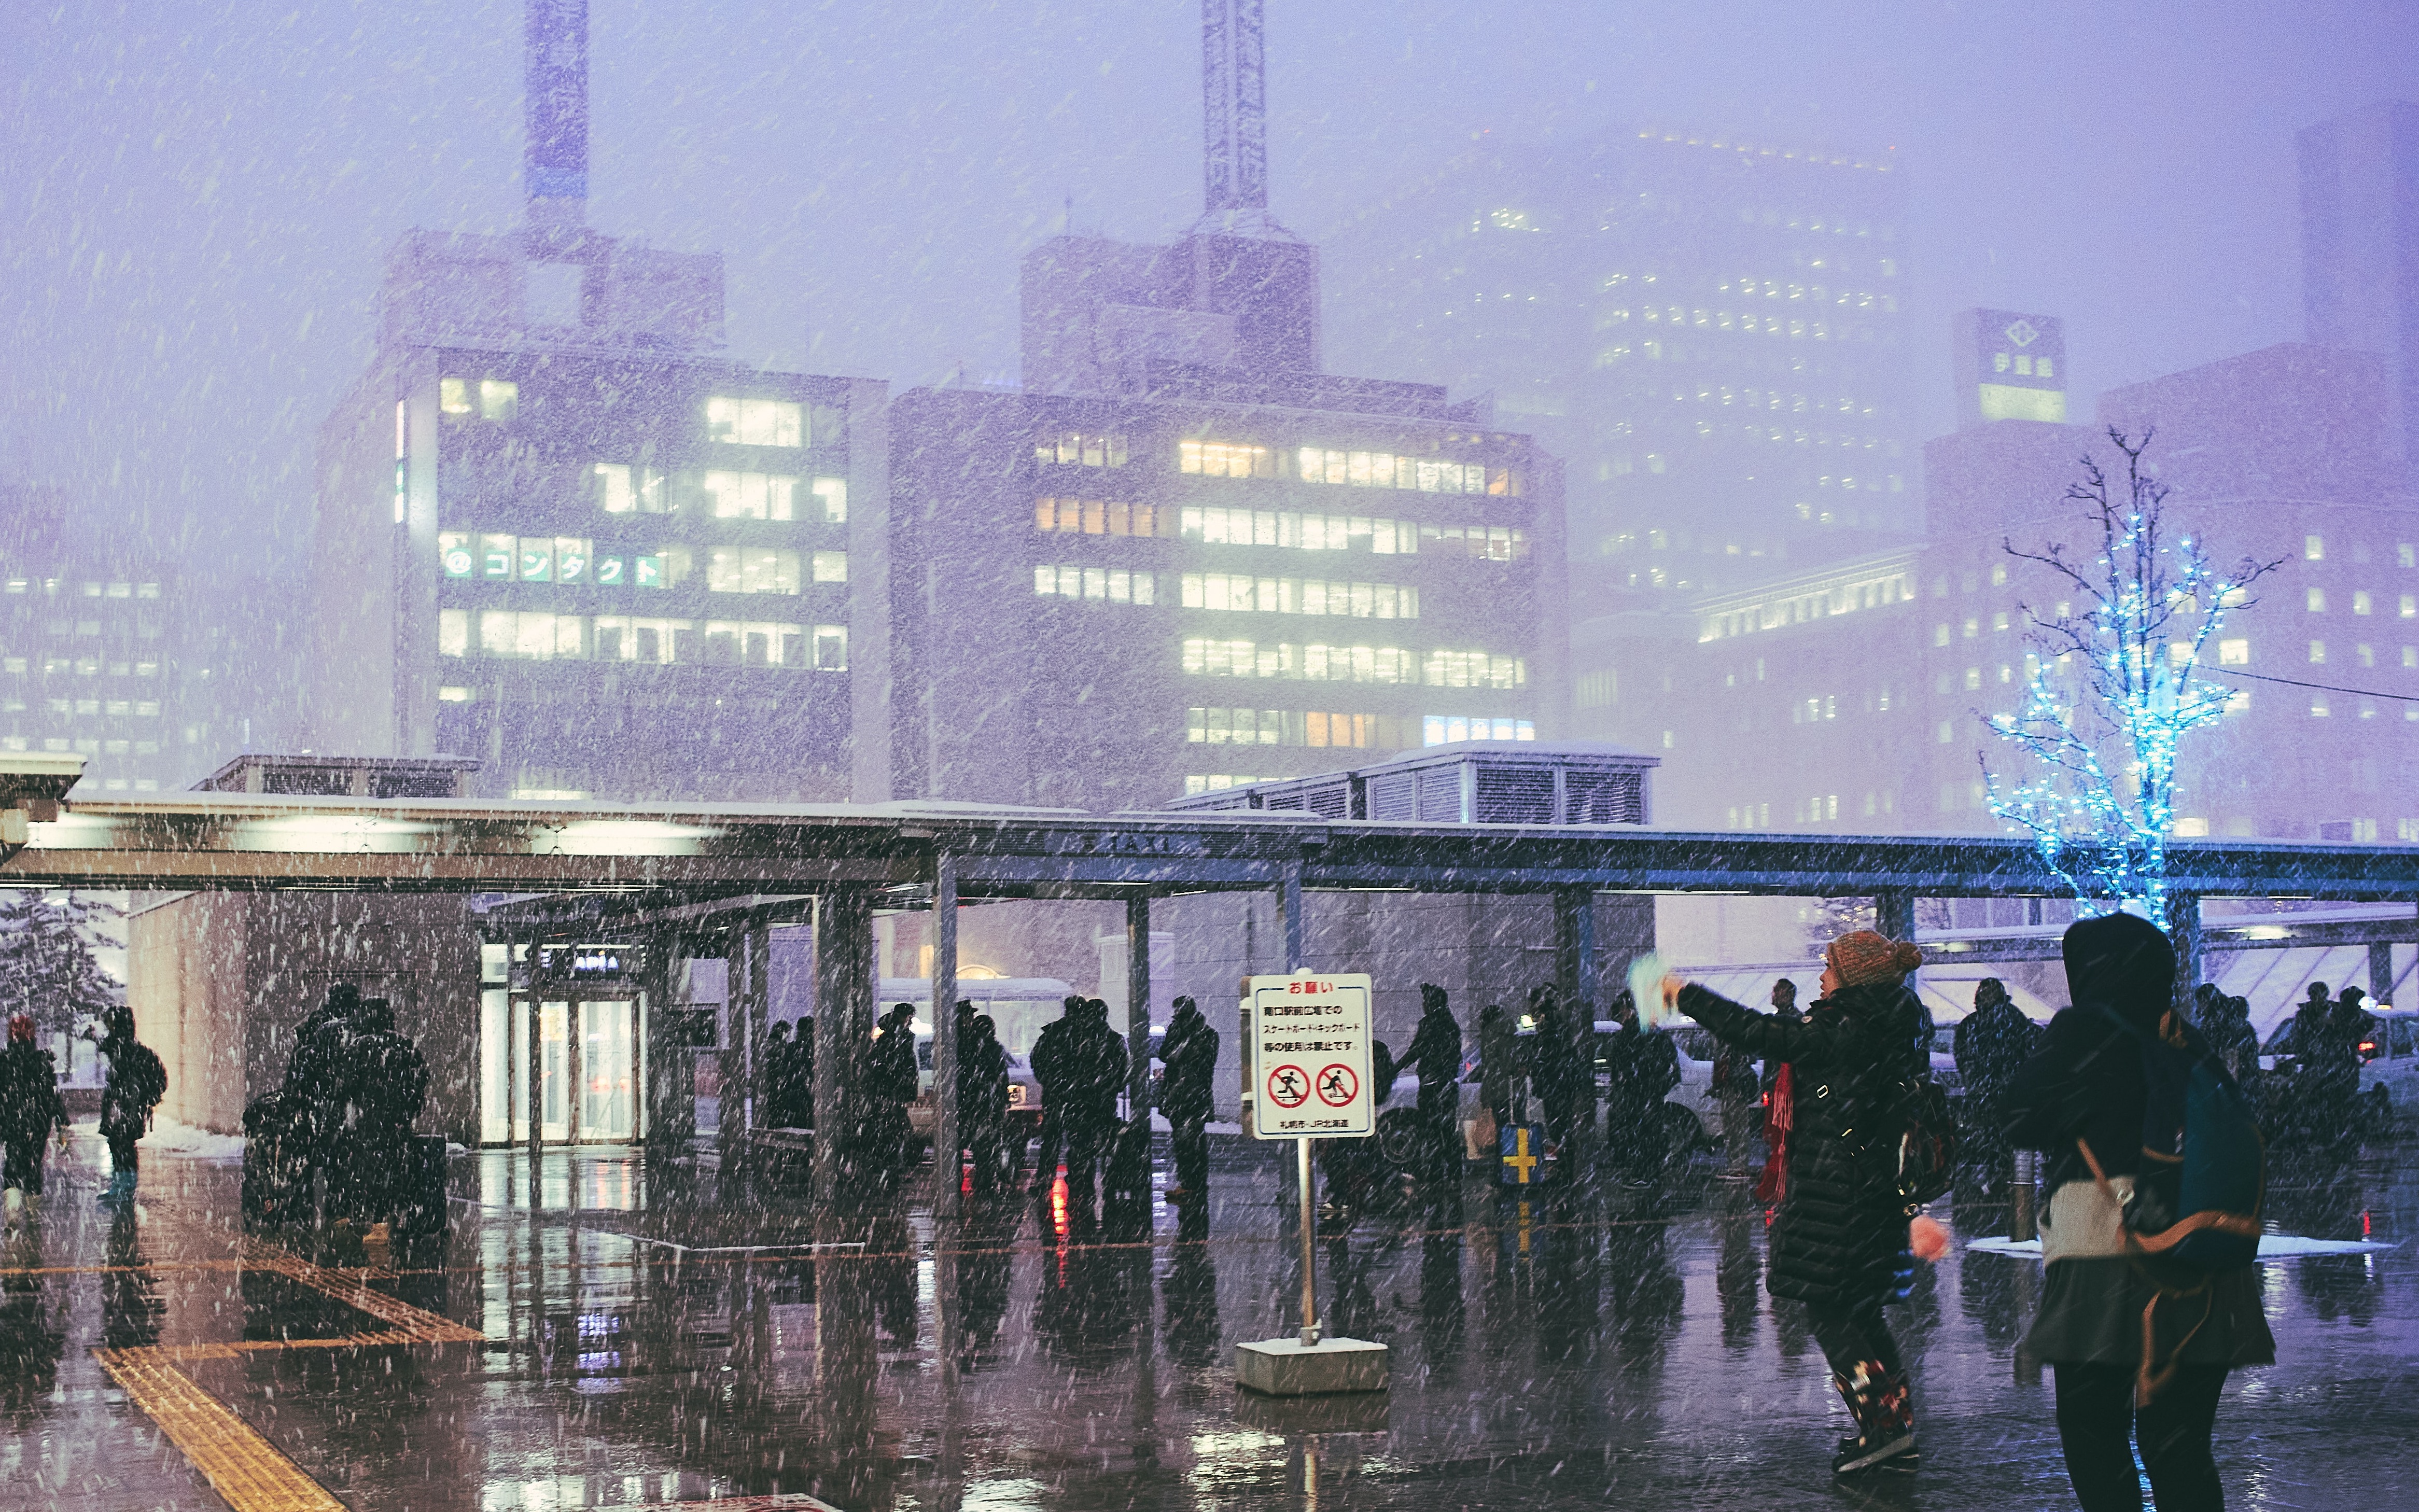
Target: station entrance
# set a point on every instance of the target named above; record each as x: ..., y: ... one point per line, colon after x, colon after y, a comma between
x: 577, y: 1039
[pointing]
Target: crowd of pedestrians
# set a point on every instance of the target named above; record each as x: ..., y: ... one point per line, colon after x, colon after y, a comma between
x: 334, y: 1142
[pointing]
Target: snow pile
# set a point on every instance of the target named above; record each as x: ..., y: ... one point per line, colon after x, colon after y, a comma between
x: 2272, y: 1246
x: 170, y: 1138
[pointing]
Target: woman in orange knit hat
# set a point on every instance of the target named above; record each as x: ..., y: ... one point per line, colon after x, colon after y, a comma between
x: 1839, y: 1236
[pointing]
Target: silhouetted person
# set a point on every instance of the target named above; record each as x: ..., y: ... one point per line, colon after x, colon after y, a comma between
x: 778, y: 1051
x: 386, y: 1084
x: 134, y: 1087
x: 1562, y: 1072
x: 1436, y: 1050
x: 1642, y: 1065
x: 1049, y: 1063
x: 1095, y: 1073
x: 982, y: 1098
x: 30, y: 1108
x: 891, y: 1085
x: 1992, y: 1041
x: 1189, y: 1050
x: 1501, y: 1073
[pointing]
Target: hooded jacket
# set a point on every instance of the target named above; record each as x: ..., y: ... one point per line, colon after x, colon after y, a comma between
x: 2086, y: 1080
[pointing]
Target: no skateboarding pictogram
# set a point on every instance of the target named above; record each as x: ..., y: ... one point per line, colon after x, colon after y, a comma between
x: 1337, y: 1086
x: 1288, y: 1086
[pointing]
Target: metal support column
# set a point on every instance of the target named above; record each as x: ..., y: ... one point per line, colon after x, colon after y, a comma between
x: 1290, y: 905
x: 948, y: 1140
x: 2381, y: 971
x: 2184, y: 934
x: 536, y: 1063
x: 1575, y: 974
x: 844, y: 990
x: 1138, y: 1005
x: 1894, y: 913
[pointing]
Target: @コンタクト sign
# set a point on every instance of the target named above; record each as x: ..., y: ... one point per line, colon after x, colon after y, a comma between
x: 1310, y: 1057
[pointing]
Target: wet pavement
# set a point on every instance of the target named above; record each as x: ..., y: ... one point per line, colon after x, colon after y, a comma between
x: 639, y: 1338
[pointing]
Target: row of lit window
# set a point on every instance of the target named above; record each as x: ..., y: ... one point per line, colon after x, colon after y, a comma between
x: 2365, y: 656
x: 1301, y: 596
x: 119, y: 708
x: 560, y: 559
x: 541, y: 636
x: 1100, y: 517
x: 2314, y: 548
x: 144, y: 627
x: 1358, y: 470
x: 1089, y: 449
x: 94, y: 748
x: 1798, y: 609
x: 720, y: 493
x: 1748, y: 320
x: 1210, y: 657
x: 1295, y: 727
x: 1349, y: 532
x: 90, y: 589
x: 1101, y: 585
x: 733, y: 420
x: 87, y: 666
x: 2315, y: 599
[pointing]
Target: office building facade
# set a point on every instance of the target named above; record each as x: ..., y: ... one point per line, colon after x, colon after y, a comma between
x: 2360, y: 250
x: 1707, y: 328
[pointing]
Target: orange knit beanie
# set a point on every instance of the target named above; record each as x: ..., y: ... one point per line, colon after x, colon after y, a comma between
x: 1863, y: 956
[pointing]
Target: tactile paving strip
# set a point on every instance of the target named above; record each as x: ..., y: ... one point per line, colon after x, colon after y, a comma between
x: 245, y: 1469
x: 415, y: 1324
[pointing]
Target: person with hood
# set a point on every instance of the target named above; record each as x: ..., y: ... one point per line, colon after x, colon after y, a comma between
x: 1094, y: 1072
x: 2087, y: 1087
x: 1436, y: 1050
x: 1050, y: 1068
x: 137, y: 1083
x: 386, y: 1084
x: 1840, y: 1234
x: 1189, y: 1050
x: 1990, y: 1045
x: 891, y: 1084
x: 30, y: 1108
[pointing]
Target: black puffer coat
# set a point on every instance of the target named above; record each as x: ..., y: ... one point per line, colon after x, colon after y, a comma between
x: 1840, y: 1237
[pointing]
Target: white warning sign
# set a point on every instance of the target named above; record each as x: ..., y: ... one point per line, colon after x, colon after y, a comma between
x: 1310, y: 1057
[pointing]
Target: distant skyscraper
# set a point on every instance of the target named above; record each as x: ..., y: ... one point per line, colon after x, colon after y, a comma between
x: 556, y: 535
x: 2360, y: 248
x: 1707, y: 328
x: 2008, y: 366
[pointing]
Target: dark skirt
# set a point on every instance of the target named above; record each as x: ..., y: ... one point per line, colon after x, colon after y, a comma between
x: 2091, y: 1313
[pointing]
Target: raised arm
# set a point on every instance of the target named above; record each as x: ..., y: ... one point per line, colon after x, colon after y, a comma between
x: 1766, y: 1034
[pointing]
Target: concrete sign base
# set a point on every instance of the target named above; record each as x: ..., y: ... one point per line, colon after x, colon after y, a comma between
x: 1285, y: 1368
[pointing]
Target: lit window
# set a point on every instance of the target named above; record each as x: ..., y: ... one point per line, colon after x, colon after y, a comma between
x: 2317, y: 600
x: 1083, y: 449
x: 499, y: 399
x: 754, y: 423
x: 452, y: 396
x: 2360, y: 603
x: 621, y: 489
x: 731, y: 569
x: 831, y: 494
x: 1940, y: 635
x: 2365, y: 656
x: 831, y: 648
x: 2314, y: 548
x: 1218, y: 459
x: 453, y: 632
x: 751, y: 495
x: 452, y: 695
x: 2234, y: 653
x: 1973, y: 679
x: 2318, y: 651
x: 831, y: 566
x: 2191, y: 828
x: 2410, y: 606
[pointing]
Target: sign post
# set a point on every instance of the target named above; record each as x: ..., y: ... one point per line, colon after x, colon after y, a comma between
x: 1309, y: 1074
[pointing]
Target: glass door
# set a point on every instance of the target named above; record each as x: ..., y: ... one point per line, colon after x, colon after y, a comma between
x: 554, y: 1072
x: 609, y: 1070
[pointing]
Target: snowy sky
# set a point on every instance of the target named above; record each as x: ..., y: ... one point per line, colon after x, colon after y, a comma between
x: 195, y: 194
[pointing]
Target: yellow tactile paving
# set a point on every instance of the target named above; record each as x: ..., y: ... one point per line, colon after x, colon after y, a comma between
x: 351, y: 1287
x: 245, y: 1469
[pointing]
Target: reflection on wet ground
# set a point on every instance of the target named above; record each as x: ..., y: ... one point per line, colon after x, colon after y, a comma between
x: 687, y: 1336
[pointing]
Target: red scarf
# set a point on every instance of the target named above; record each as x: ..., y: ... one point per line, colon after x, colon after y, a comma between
x: 1778, y: 1121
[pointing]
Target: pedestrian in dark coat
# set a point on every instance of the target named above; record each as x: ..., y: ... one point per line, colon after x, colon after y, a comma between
x: 386, y: 1084
x: 1050, y: 1068
x: 1436, y: 1050
x: 1562, y: 1074
x: 1189, y: 1050
x: 137, y: 1083
x: 890, y: 1083
x: 982, y: 1098
x: 2086, y: 1085
x: 1502, y: 1074
x: 1991, y: 1042
x: 1642, y: 1065
x: 1839, y: 1235
x: 30, y: 1108
x: 1094, y: 1072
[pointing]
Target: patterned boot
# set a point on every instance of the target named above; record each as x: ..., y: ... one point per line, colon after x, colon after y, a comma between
x: 1885, y: 1416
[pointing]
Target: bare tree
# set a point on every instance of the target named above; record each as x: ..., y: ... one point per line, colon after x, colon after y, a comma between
x: 2111, y: 686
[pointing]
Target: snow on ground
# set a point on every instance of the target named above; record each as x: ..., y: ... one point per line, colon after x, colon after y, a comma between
x: 170, y: 1138
x: 2272, y: 1246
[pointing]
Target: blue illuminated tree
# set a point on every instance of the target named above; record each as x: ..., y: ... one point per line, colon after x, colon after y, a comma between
x: 2112, y: 686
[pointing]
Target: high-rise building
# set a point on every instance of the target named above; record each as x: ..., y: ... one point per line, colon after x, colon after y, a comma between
x: 1708, y: 327
x: 2360, y: 248
x: 559, y: 535
x: 113, y: 650
x: 1184, y: 556
x: 2007, y: 367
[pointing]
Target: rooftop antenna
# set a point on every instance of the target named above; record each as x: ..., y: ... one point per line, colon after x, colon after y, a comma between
x: 555, y: 162
x: 1235, y: 122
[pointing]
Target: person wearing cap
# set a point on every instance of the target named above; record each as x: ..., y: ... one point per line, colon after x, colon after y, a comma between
x: 30, y: 1108
x: 1840, y: 1233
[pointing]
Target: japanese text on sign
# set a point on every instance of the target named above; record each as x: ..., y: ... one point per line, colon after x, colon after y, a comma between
x: 1310, y: 1050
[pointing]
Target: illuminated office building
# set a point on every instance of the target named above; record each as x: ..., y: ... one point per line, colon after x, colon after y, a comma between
x: 1707, y: 328
x: 558, y: 536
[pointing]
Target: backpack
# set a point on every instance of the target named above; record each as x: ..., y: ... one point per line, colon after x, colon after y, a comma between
x: 2200, y: 1204
x: 145, y: 1079
x: 1926, y: 1146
